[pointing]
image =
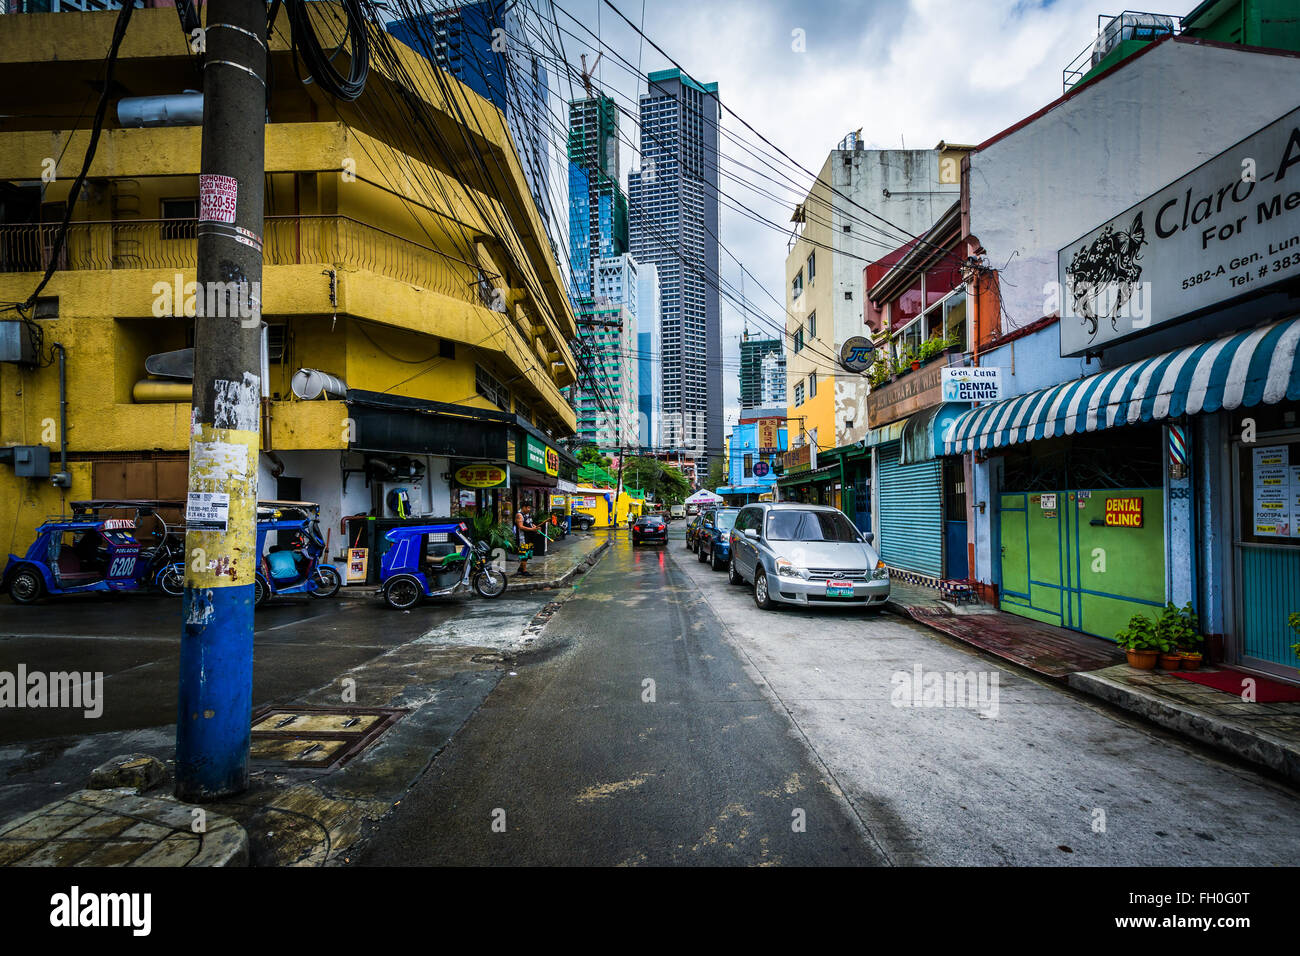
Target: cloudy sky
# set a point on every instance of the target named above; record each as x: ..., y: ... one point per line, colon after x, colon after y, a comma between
x: 907, y: 72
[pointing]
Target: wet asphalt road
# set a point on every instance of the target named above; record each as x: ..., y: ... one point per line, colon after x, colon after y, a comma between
x: 574, y: 761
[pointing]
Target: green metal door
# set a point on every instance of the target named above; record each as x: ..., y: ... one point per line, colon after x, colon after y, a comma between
x: 1032, y: 558
x: 1062, y: 563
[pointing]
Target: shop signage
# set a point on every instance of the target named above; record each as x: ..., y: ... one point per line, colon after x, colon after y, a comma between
x: 769, y: 434
x: 481, y: 476
x: 906, y: 395
x: 1123, y: 512
x: 358, y: 558
x: 971, y: 383
x: 1276, y: 492
x: 1229, y: 227
x: 540, y: 457
x: 798, y: 459
x: 760, y: 469
x: 857, y: 354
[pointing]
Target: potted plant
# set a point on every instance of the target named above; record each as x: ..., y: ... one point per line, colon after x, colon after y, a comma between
x: 496, y: 534
x: 1294, y: 621
x: 1140, y: 643
x: 931, y: 349
x: 1185, y: 630
x: 879, y: 374
x: 907, y: 362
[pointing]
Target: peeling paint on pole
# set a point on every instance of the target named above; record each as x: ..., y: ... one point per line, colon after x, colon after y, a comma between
x: 214, y: 702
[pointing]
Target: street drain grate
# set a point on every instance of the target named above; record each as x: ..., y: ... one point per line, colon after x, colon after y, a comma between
x: 317, y: 736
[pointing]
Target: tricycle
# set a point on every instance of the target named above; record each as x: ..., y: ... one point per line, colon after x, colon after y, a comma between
x: 84, y: 553
x: 436, y: 560
x: 298, y: 567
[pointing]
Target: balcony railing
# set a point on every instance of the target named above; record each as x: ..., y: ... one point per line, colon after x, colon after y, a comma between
x: 288, y: 240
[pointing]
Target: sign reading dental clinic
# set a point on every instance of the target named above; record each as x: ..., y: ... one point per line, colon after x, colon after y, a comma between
x: 1229, y: 228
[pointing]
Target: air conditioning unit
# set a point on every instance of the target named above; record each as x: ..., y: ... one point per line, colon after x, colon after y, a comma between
x: 16, y: 343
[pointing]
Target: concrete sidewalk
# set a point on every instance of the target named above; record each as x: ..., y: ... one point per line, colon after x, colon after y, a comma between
x: 1263, y: 734
x: 122, y: 828
x: 1047, y: 650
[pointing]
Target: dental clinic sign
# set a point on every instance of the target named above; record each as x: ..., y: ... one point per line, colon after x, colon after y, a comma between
x: 1228, y: 228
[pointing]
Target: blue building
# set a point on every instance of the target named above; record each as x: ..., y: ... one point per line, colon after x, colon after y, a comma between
x: 756, y: 445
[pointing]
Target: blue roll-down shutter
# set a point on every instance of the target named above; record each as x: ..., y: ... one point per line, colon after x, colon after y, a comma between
x: 911, y: 513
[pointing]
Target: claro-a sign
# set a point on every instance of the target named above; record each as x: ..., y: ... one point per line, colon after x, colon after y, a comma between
x: 1228, y: 228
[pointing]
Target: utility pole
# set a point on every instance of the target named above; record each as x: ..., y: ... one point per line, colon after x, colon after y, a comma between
x: 216, y: 658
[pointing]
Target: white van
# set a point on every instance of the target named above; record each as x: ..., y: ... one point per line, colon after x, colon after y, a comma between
x: 677, y: 511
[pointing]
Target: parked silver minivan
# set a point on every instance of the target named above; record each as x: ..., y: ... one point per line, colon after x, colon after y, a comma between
x: 796, y: 553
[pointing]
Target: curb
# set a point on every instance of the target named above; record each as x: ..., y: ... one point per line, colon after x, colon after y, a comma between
x: 552, y: 583
x: 1280, y: 756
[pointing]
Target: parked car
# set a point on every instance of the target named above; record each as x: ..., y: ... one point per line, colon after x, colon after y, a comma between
x: 648, y: 528
x: 714, y: 536
x: 676, y: 511
x: 582, y: 522
x: 692, y: 529
x: 805, y: 554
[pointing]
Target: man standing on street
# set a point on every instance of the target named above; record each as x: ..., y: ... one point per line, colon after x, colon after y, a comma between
x: 524, y: 529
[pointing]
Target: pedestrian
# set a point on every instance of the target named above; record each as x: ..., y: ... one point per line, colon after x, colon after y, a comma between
x: 524, y: 528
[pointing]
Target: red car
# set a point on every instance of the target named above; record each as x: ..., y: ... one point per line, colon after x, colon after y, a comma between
x: 650, y: 528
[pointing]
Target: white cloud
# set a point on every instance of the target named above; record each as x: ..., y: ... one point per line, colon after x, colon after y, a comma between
x: 905, y: 72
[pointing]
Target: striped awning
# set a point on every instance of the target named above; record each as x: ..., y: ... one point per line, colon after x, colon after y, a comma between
x: 1255, y: 367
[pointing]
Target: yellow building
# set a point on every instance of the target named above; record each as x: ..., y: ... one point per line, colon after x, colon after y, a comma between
x: 420, y: 281
x: 864, y: 204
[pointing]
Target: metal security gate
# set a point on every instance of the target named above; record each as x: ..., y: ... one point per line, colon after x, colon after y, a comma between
x: 911, y: 513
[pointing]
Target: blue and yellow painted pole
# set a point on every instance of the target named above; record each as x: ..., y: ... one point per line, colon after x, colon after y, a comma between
x: 214, y: 702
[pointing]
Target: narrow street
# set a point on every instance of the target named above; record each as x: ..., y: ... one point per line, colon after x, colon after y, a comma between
x: 773, y: 713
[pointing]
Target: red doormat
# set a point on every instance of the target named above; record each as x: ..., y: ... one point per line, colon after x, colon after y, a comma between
x: 1267, y: 691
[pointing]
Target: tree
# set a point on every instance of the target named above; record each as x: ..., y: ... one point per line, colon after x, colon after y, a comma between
x: 590, y: 455
x: 664, y: 483
x: 717, y: 474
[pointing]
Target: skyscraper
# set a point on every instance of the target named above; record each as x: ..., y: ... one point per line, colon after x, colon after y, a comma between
x: 485, y: 46
x: 649, y: 375
x: 674, y: 225
x: 597, y: 204
x: 753, y: 352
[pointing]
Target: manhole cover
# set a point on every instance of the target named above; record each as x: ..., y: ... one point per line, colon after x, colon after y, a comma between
x: 317, y: 736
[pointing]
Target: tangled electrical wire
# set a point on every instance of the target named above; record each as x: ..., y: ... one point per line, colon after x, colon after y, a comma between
x: 320, y: 64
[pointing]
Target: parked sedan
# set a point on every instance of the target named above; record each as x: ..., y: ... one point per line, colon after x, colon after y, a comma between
x: 693, y: 529
x: 649, y: 528
x: 805, y: 554
x: 714, y: 537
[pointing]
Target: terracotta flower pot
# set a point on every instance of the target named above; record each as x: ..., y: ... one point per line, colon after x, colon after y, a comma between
x: 916, y: 365
x: 1191, y: 661
x: 1171, y: 662
x: 1142, y: 660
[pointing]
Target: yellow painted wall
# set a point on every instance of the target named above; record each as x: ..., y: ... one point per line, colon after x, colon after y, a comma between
x: 317, y: 166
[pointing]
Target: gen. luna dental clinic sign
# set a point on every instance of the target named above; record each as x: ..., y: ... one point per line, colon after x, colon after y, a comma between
x: 1228, y: 228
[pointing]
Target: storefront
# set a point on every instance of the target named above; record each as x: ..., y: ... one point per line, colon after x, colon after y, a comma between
x: 920, y: 497
x: 1166, y: 479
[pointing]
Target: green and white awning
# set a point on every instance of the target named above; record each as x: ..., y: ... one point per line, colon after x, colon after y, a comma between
x: 1255, y: 367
